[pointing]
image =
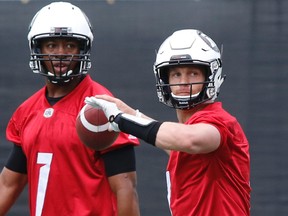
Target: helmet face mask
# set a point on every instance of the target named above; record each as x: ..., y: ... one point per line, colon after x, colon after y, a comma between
x: 60, y: 20
x: 186, y: 48
x: 74, y: 65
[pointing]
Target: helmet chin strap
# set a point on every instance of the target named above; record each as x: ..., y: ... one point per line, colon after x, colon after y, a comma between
x: 185, y: 98
x: 65, y: 74
x: 51, y: 77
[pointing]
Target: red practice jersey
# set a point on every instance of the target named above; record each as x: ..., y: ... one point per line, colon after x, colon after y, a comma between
x: 213, y: 184
x: 65, y: 177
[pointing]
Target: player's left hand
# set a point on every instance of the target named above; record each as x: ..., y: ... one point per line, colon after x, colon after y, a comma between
x: 109, y: 108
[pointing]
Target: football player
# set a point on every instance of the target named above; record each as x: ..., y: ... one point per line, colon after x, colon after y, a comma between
x: 208, y: 172
x: 64, y: 176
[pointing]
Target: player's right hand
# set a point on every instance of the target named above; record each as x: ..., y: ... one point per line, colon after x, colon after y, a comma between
x: 109, y: 108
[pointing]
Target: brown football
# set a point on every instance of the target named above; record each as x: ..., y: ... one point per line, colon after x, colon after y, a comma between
x: 92, y: 128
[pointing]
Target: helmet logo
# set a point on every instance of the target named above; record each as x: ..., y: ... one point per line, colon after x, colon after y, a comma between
x: 214, y: 65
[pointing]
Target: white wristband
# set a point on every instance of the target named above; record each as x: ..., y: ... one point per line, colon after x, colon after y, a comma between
x: 138, y: 113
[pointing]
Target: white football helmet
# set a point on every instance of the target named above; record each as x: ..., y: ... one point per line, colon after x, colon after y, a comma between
x: 186, y: 47
x: 60, y: 19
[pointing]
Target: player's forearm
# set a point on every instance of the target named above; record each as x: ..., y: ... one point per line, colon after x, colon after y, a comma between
x: 5, y: 202
x: 194, y: 139
x: 127, y: 203
x: 123, y: 186
x: 11, y: 185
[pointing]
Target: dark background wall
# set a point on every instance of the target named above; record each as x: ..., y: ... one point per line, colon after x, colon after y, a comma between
x: 127, y: 33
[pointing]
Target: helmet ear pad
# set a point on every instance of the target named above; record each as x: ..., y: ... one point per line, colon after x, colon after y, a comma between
x: 164, y: 79
x: 215, y: 79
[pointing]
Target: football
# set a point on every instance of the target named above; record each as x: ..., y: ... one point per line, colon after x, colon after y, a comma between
x: 92, y: 128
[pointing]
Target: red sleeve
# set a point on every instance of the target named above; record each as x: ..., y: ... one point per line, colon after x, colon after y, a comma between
x: 123, y: 140
x: 13, y: 132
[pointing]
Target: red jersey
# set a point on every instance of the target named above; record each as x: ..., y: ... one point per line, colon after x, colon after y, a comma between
x: 64, y: 177
x: 213, y: 184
